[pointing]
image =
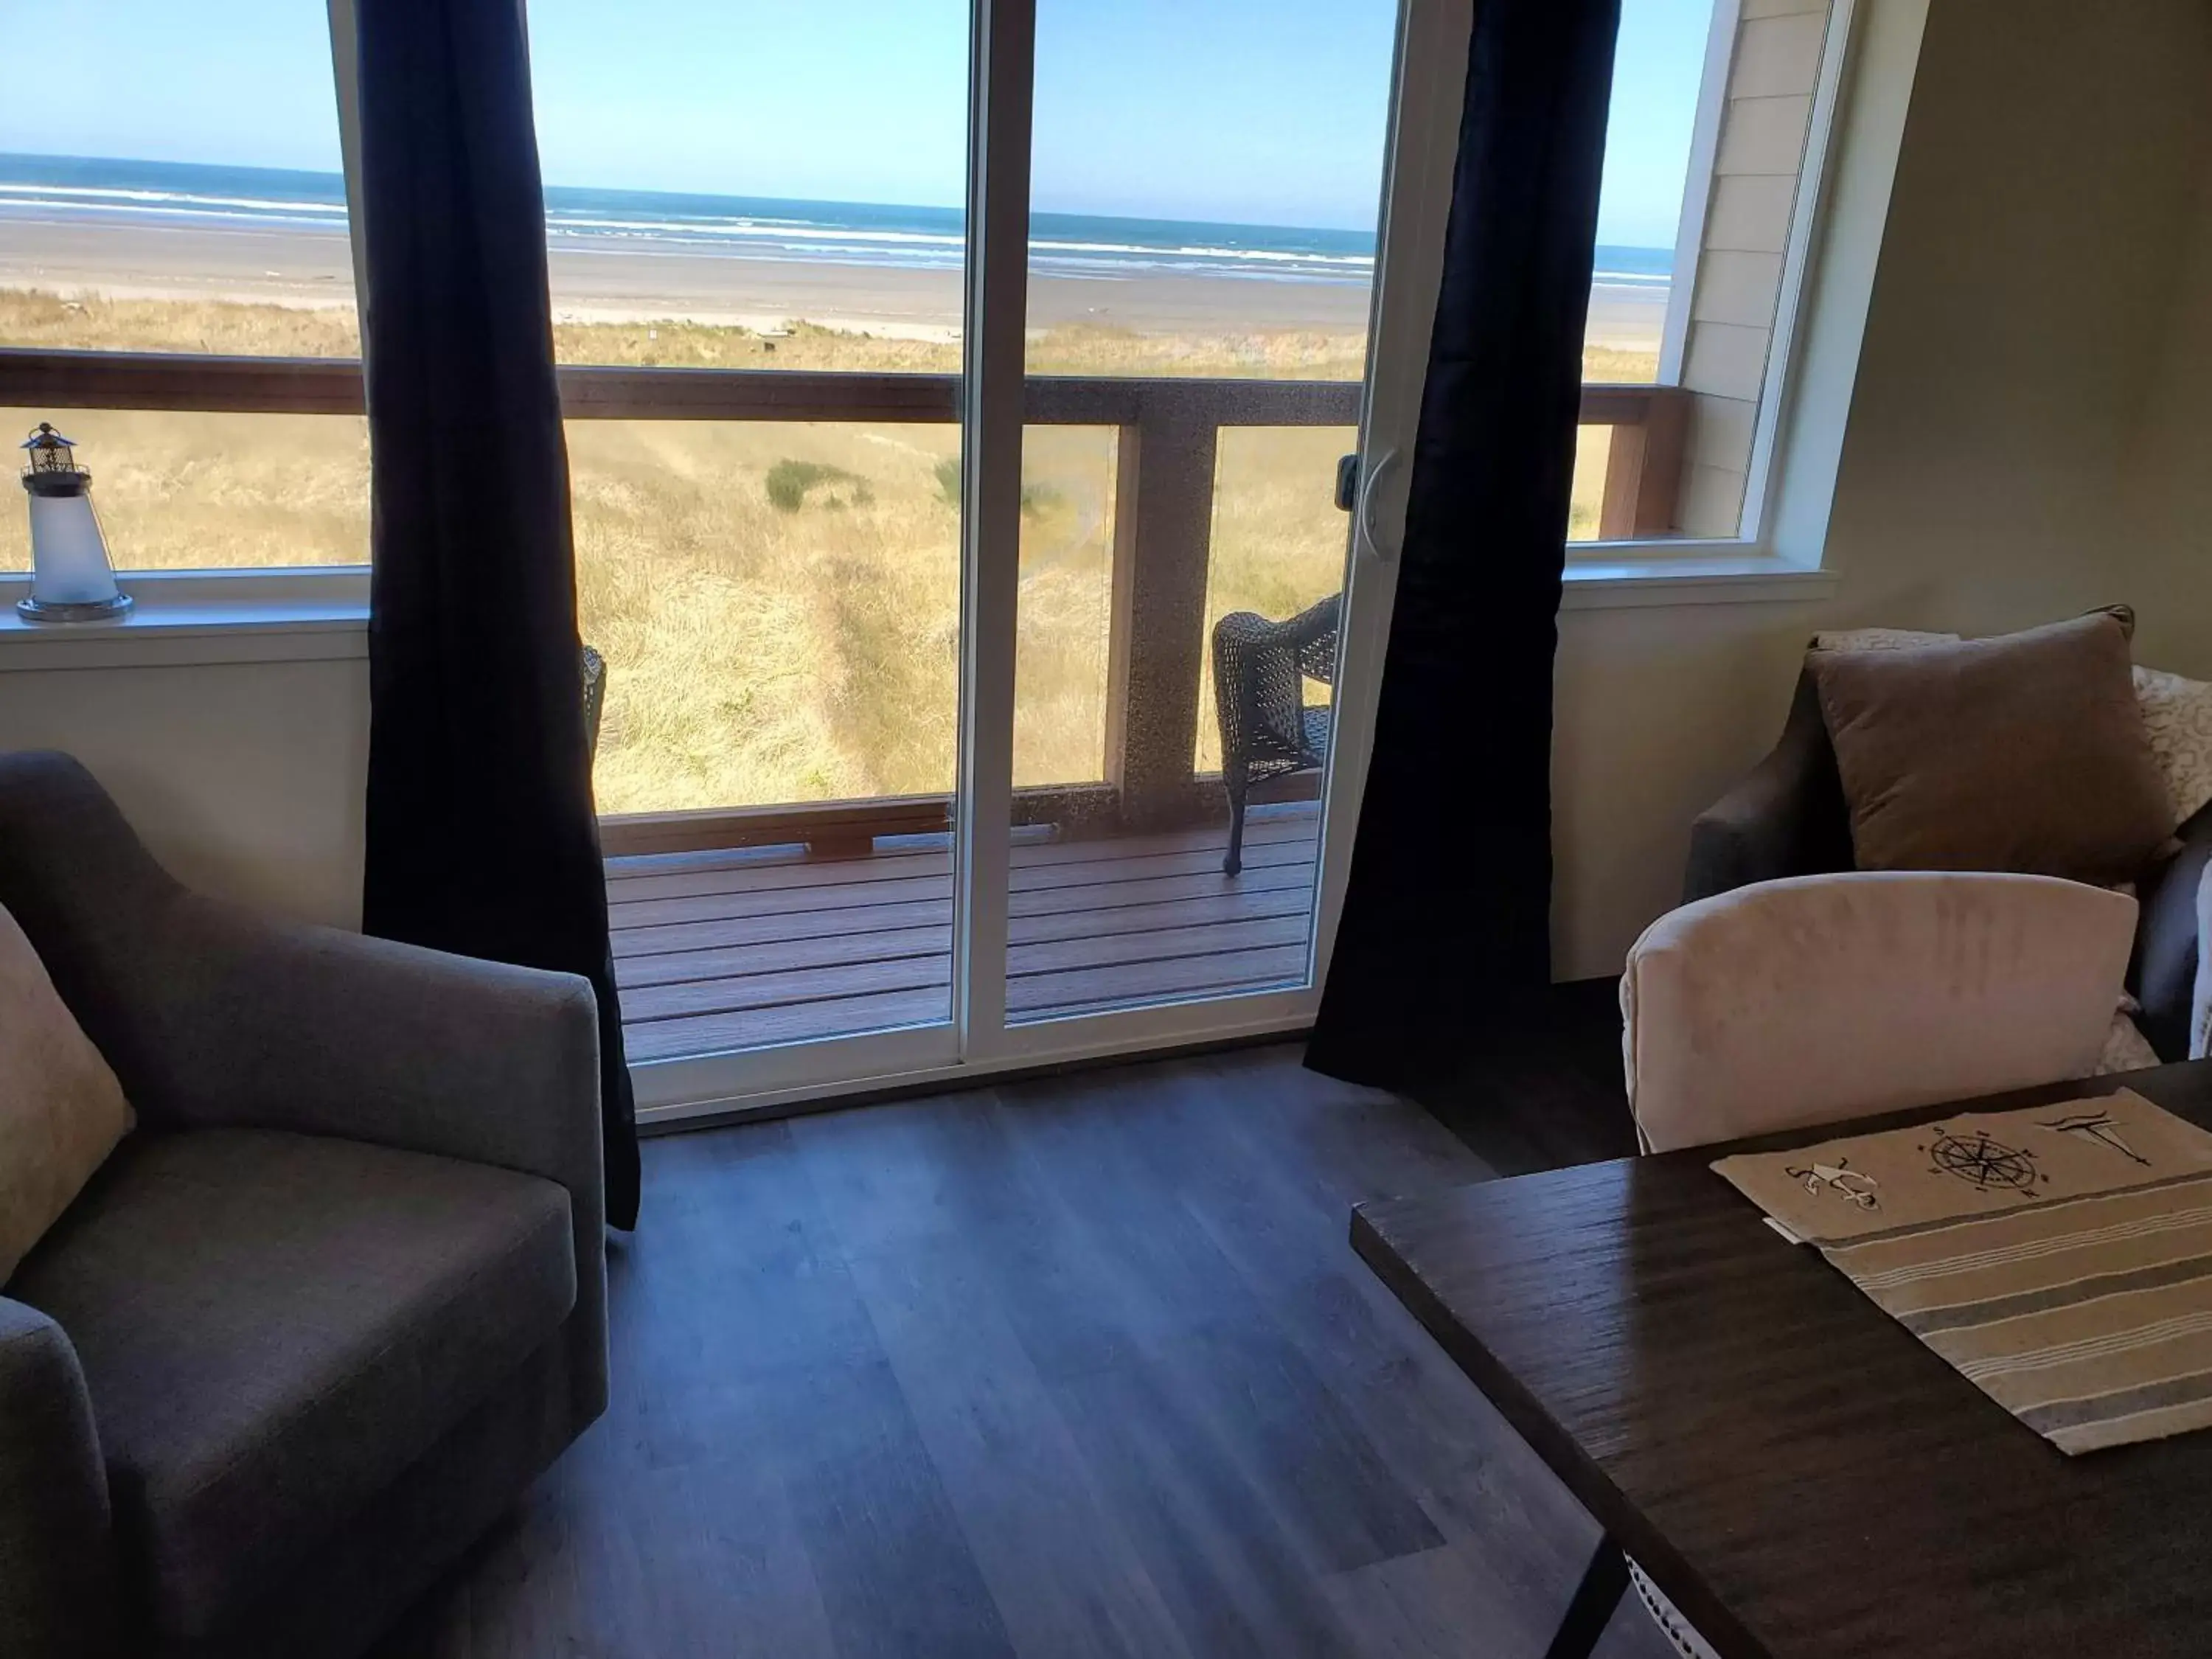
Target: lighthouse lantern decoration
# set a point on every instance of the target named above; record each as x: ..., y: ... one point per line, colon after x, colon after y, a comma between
x: 71, y: 580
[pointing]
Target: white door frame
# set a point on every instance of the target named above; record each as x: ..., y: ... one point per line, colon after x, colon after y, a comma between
x: 1429, y: 89
x: 1002, y: 83
x: 1429, y: 80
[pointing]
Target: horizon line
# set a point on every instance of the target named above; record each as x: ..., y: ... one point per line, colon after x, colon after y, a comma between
x: 734, y: 196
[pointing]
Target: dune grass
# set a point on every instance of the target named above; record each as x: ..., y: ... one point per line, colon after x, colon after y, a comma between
x: 778, y: 602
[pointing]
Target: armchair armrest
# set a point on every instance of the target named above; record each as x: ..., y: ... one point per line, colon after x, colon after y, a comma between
x: 226, y: 1016
x: 1784, y: 817
x: 57, y: 1552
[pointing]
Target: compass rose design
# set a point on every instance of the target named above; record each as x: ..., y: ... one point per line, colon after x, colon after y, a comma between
x: 1987, y: 1165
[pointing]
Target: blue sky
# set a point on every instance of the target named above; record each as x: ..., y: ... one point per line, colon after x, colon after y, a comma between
x: 1257, y: 111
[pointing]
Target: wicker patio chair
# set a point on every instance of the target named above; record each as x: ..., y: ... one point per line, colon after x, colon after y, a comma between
x: 595, y: 697
x: 1267, y: 729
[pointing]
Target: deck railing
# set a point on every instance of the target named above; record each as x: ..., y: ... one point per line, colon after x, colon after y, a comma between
x: 1168, y: 429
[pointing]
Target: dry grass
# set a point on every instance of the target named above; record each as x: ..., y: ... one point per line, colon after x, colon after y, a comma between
x: 29, y: 317
x: 757, y: 653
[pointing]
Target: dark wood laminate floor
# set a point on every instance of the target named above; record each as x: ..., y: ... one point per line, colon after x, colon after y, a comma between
x: 1081, y: 1366
x: 1551, y: 1098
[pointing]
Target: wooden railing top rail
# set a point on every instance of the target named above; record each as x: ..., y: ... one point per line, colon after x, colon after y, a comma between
x: 190, y: 383
x: 843, y: 828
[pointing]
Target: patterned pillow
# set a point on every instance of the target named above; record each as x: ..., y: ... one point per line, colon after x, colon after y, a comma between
x: 2126, y: 1048
x: 61, y: 1110
x: 2178, y: 714
x: 1879, y: 639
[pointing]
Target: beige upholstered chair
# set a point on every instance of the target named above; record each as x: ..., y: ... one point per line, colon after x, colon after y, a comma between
x: 1804, y: 1001
x: 1794, y: 1003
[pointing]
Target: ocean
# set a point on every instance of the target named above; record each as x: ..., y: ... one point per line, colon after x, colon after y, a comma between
x: 90, y: 189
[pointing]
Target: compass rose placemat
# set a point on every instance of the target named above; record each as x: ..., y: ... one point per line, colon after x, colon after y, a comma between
x: 2059, y: 1257
x: 1977, y: 1163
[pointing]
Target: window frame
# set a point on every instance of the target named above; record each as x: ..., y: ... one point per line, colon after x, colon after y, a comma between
x: 1754, y: 550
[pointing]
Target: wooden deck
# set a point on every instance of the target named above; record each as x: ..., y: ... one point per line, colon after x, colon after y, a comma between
x: 740, y: 949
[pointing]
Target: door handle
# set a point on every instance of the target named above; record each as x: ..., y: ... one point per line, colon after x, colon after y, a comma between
x: 1370, y: 485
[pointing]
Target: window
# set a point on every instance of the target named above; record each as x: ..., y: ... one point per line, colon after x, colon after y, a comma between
x: 170, y: 183
x: 174, y: 185
x: 1716, y: 126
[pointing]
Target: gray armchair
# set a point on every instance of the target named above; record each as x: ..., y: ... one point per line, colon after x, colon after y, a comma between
x: 335, y: 1302
x: 1787, y: 816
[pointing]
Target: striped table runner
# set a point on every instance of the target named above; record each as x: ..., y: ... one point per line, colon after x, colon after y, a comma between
x: 2090, y: 1320
x: 2060, y: 1258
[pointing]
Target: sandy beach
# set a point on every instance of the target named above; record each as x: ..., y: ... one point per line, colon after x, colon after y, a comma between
x: 312, y: 267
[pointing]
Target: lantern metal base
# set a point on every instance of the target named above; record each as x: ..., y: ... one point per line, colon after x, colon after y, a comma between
x: 98, y: 610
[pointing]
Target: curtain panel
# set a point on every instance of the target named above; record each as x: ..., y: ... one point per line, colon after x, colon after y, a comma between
x: 1445, y: 933
x: 482, y: 838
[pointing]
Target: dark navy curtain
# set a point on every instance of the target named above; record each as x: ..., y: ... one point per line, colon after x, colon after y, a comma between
x: 1444, y: 937
x: 482, y: 838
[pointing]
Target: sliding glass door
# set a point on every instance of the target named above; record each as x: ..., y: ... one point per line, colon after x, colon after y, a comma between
x: 1072, y: 773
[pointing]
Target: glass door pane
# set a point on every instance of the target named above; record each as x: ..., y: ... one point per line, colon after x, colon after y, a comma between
x: 1204, y: 192
x: 758, y: 218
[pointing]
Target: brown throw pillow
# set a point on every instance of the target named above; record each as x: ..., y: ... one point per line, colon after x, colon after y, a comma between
x: 61, y: 1110
x: 2025, y: 752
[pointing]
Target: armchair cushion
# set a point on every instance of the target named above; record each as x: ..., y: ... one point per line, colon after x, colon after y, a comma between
x: 273, y: 1327
x: 2177, y: 712
x: 2026, y: 752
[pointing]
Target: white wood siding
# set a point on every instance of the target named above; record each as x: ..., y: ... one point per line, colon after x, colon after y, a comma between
x: 1736, y: 285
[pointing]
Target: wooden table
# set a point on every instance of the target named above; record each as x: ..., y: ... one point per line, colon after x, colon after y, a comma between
x: 1799, y: 1474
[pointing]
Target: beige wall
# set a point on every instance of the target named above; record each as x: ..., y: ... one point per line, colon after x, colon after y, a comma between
x: 2166, y: 481
x: 2027, y: 439
x: 2020, y: 371
x: 244, y: 778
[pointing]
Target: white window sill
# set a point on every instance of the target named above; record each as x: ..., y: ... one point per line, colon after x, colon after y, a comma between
x: 192, y: 618
x: 187, y: 618
x: 1634, y: 577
